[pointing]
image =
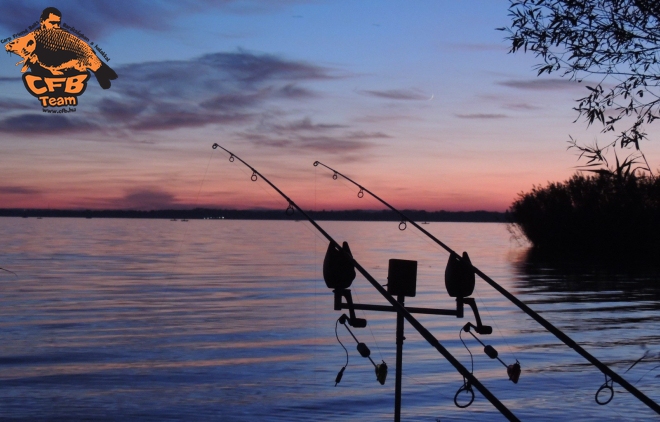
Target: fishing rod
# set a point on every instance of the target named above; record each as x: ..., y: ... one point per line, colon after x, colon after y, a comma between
x: 538, y: 318
x: 400, y: 309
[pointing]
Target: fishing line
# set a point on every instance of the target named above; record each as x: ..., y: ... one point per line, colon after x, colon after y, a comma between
x: 204, y: 177
x: 638, y: 360
x: 185, y: 230
x: 253, y: 178
x: 341, y: 372
x: 316, y: 235
x: 646, y: 373
x: 359, y: 193
x: 492, y: 319
x: 316, y: 295
x: 460, y: 336
x: 646, y: 354
x: 466, y: 385
x: 357, y: 300
x: 355, y: 294
x: 363, y: 349
x: 380, y: 352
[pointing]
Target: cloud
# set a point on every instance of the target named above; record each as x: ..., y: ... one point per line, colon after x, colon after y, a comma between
x: 387, y: 118
x: 228, y: 88
x: 306, y: 125
x: 97, y: 18
x: 13, y: 105
x: 334, y: 144
x: 304, y: 134
x: 146, y: 199
x: 366, y: 135
x: 397, y: 94
x: 481, y: 116
x: 174, y: 120
x: 44, y: 123
x: 236, y: 100
x: 517, y: 106
x: 252, y: 68
x: 295, y: 92
x: 521, y: 106
x: 18, y: 190
x: 216, y: 73
x: 541, y: 84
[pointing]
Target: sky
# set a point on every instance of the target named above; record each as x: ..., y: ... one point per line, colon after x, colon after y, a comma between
x: 419, y: 101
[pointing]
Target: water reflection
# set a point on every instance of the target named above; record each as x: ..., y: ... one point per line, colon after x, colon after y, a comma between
x: 231, y: 320
x: 589, y: 281
x: 610, y: 307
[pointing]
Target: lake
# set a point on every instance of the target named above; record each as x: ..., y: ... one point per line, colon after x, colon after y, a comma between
x: 152, y: 320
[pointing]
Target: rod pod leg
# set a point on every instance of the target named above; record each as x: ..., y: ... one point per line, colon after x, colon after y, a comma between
x: 399, y: 361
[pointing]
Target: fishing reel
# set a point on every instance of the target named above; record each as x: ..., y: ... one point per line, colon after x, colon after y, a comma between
x: 380, y: 368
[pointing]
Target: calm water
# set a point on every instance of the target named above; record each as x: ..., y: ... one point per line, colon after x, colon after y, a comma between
x: 231, y: 320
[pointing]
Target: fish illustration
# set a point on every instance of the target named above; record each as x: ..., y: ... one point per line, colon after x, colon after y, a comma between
x: 59, y: 52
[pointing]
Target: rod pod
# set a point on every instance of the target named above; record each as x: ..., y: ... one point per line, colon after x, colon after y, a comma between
x: 401, y: 310
x: 538, y: 318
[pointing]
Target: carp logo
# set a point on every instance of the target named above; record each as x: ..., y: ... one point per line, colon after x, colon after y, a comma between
x: 59, y: 62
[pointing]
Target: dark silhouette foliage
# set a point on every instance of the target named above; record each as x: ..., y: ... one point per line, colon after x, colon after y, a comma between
x: 599, y: 216
x: 613, y: 43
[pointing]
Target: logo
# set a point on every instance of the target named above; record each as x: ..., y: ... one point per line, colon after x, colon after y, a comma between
x: 58, y: 61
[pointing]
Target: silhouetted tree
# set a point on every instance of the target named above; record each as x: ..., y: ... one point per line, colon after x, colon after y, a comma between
x: 597, y: 216
x: 615, y: 41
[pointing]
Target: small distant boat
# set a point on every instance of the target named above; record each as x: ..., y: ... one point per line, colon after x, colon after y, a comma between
x: 425, y: 222
x: 174, y: 219
x: 183, y: 219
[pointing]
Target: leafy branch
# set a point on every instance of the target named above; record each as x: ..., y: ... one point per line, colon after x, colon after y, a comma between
x: 617, y: 41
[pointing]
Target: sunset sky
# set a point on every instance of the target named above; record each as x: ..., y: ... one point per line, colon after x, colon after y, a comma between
x: 419, y: 101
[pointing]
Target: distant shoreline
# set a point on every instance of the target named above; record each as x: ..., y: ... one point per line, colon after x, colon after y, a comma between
x: 217, y: 214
